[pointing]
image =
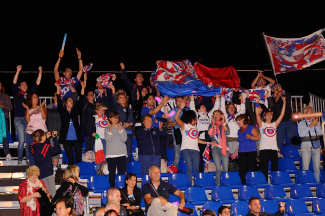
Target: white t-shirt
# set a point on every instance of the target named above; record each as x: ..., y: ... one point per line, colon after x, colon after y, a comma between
x: 101, y: 123
x: 190, y: 138
x: 268, y: 136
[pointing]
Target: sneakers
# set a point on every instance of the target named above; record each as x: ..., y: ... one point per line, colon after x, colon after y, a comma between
x: 55, y: 168
x: 8, y: 157
x: 20, y: 163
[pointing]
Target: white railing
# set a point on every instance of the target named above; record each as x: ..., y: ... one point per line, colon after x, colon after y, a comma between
x: 316, y: 102
x: 296, y: 103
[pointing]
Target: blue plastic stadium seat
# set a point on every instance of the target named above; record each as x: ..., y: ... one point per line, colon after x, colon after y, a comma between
x: 269, y: 206
x: 10, y: 137
x: 275, y: 192
x: 170, y: 154
x: 214, y: 206
x: 223, y: 194
x: 301, y: 191
x: 134, y: 143
x: 287, y: 164
x: 86, y: 170
x: 322, y: 175
x: 103, y: 198
x: 239, y: 208
x: 281, y: 178
x: 204, y: 180
x: 119, y: 181
x: 230, y: 179
x: 181, y: 166
x: 98, y: 183
x: 188, y: 205
x: 306, y: 177
x: 247, y: 191
x: 145, y: 179
x: 134, y: 167
x: 256, y: 178
x: 320, y: 191
x: 296, y: 206
x: 319, y: 206
x: 174, y: 199
x: 179, y: 180
x: 291, y: 152
x: 196, y: 196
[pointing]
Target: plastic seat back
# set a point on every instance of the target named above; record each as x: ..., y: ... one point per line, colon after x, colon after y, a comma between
x: 204, y: 179
x: 181, y: 166
x: 296, y: 206
x: 222, y: 193
x: 319, y: 206
x: 247, y: 191
x: 256, y: 177
x: 214, y: 206
x: 280, y: 177
x: 134, y: 167
x: 239, y: 208
x: 290, y: 152
x: 145, y: 179
x: 305, y: 176
x: 286, y: 164
x: 86, y: 169
x: 98, y: 183
x: 170, y: 154
x: 322, y: 175
x: 272, y: 191
x: 320, y: 191
x: 300, y: 190
x: 230, y: 178
x: 269, y: 206
x: 103, y: 198
x: 179, y: 179
x: 119, y: 181
x: 193, y: 194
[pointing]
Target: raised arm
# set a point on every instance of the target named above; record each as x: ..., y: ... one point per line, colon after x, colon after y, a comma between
x: 158, y: 108
x: 127, y: 82
x: 242, y: 105
x: 271, y: 81
x: 192, y: 105
x: 258, y: 111
x: 39, y: 78
x: 253, y: 84
x: 19, y: 67
x: 81, y: 65
x: 277, y: 122
x: 223, y: 106
x: 216, y: 105
x: 56, y: 67
x: 178, y: 121
x: 43, y: 110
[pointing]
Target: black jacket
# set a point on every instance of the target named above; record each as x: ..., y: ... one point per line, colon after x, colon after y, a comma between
x: 149, y: 141
x: 66, y: 116
x: 278, y: 213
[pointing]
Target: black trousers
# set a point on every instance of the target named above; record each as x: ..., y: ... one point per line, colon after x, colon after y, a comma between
x: 247, y: 161
x: 69, y: 146
x: 112, y: 163
x: 265, y: 156
x: 202, y: 148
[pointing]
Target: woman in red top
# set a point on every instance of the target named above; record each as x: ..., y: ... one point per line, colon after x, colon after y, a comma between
x: 27, y: 195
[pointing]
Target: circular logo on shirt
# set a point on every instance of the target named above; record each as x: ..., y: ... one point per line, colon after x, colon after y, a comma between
x: 193, y: 133
x: 270, y: 131
x: 103, y: 124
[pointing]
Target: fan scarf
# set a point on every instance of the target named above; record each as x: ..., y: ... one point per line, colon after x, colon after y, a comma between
x: 66, y: 84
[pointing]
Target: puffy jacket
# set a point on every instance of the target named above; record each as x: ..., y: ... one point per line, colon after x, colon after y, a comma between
x: 149, y: 141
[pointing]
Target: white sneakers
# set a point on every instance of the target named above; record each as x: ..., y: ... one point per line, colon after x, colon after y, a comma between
x: 8, y: 157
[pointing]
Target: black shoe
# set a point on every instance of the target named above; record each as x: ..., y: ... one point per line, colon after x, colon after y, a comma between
x: 188, y: 211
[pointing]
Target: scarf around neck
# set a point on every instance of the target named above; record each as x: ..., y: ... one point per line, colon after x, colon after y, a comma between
x: 31, y: 189
x: 221, y: 136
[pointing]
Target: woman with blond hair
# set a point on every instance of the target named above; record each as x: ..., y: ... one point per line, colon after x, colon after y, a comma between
x: 72, y: 189
x: 27, y: 192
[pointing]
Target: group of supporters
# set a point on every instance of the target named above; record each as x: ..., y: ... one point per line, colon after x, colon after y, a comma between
x: 110, y: 121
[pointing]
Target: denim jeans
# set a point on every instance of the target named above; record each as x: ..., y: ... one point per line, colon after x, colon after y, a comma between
x: 177, y: 153
x: 307, y: 151
x: 6, y: 139
x: 192, y: 161
x: 146, y: 161
x: 20, y: 125
x: 29, y: 141
x: 285, y: 128
x: 217, y: 158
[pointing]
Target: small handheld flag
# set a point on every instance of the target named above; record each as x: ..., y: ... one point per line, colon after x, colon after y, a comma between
x: 87, y: 68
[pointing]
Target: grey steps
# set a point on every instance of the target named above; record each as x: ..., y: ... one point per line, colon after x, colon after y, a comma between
x: 11, y: 212
x: 8, y: 197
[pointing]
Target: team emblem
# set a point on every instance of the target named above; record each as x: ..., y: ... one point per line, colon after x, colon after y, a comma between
x: 269, y: 131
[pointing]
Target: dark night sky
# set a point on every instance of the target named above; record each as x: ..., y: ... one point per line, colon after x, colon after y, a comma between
x: 221, y: 33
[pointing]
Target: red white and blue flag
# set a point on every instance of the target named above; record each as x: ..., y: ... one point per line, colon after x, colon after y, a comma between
x: 206, y: 156
x: 65, y: 85
x: 290, y: 54
x: 106, y: 79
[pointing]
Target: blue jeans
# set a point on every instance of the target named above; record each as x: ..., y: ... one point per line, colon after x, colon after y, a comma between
x: 6, y: 139
x: 192, y: 161
x: 307, y: 152
x: 285, y: 128
x: 29, y: 141
x: 20, y: 125
x: 217, y: 158
x: 177, y: 153
x: 146, y: 161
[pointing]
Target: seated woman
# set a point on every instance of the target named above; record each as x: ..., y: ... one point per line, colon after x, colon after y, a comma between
x: 27, y: 192
x: 131, y: 195
x: 71, y: 185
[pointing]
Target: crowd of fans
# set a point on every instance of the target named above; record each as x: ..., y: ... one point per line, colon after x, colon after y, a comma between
x: 110, y: 119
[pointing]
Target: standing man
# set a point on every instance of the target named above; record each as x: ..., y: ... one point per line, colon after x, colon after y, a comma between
x: 156, y: 195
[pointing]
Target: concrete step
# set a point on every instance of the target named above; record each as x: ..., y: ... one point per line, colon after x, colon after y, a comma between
x: 11, y: 212
x: 8, y: 197
x: 13, y: 168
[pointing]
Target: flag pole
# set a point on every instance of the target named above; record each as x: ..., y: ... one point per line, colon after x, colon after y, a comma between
x: 268, y: 52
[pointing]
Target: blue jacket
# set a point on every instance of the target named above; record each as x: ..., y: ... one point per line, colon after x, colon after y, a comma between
x: 43, y: 153
x: 149, y: 141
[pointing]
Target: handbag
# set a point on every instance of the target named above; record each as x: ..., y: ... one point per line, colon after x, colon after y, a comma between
x: 129, y: 211
x: 69, y: 194
x: 315, y: 143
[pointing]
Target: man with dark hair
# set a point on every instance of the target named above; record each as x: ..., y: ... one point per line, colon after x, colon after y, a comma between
x: 255, y: 208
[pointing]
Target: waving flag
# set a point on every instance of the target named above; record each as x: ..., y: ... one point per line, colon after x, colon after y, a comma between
x: 99, y: 150
x: 255, y: 93
x: 178, y: 78
x: 290, y: 54
x: 65, y: 85
x: 206, y: 156
x: 218, y: 77
x: 106, y: 79
x: 87, y: 68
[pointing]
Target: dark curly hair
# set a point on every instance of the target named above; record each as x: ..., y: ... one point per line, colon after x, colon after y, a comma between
x: 243, y: 116
x: 188, y: 116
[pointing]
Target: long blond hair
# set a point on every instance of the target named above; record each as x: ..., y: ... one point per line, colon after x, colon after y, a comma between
x: 72, y: 171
